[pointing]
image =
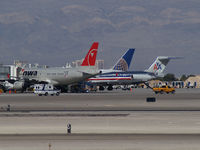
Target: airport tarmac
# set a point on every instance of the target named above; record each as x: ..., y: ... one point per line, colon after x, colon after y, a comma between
x: 100, y: 142
x: 117, y: 100
x: 104, y: 120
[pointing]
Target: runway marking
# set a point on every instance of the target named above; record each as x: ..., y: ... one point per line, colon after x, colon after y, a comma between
x: 63, y: 115
x: 95, y: 136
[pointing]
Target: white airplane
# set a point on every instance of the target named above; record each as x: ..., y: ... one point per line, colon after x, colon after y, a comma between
x: 131, y: 77
x: 121, y: 66
x: 60, y: 76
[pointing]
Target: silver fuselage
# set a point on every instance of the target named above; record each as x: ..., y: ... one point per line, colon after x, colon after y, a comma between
x: 121, y: 78
x: 59, y: 75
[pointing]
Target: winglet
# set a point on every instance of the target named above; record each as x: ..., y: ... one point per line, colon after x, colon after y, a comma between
x: 125, y: 61
x: 90, y: 58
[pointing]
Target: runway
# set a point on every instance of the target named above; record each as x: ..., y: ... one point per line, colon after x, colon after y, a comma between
x: 183, y: 100
x: 105, y: 120
x: 123, y: 123
x: 102, y: 141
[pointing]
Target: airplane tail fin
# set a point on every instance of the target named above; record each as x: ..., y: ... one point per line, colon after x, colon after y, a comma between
x: 159, y: 65
x: 124, y: 62
x: 90, y: 58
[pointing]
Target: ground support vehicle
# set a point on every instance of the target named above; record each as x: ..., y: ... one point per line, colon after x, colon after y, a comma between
x: 164, y: 89
x: 46, y: 89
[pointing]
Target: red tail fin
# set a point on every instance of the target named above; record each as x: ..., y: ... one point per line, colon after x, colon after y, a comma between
x: 90, y: 58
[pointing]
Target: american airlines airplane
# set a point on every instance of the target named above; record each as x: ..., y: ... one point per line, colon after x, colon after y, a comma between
x: 59, y: 76
x: 131, y: 77
x: 121, y: 66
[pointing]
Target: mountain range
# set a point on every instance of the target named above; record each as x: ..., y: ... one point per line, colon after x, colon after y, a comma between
x: 56, y: 32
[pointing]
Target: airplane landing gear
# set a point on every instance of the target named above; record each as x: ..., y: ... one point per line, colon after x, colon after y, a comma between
x: 101, y: 88
x: 110, y: 88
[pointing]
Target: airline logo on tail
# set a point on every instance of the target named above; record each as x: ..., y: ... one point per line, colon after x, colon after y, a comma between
x: 157, y: 66
x: 124, y: 62
x: 160, y: 64
x: 90, y: 58
x: 122, y: 65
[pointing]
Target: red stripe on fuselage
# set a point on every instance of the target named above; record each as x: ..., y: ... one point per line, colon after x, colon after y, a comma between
x: 101, y: 79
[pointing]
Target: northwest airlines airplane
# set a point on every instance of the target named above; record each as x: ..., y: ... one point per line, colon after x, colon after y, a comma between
x: 63, y: 76
x: 131, y: 77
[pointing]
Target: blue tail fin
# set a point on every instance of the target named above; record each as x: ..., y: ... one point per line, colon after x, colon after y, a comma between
x: 124, y: 62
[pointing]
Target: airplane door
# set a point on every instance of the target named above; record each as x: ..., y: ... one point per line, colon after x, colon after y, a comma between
x: 66, y: 73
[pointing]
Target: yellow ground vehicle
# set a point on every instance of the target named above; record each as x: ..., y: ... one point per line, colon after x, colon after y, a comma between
x: 167, y: 89
x: 1, y: 91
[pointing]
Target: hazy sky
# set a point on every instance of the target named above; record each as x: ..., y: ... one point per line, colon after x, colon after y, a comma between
x: 54, y: 32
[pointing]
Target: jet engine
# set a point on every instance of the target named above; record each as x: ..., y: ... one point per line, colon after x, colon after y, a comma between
x: 18, y: 85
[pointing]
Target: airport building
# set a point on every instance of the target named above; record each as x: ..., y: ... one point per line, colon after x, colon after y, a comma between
x: 8, y: 72
x: 4, y: 71
x: 175, y: 84
x: 191, y: 82
x: 76, y: 63
x: 12, y: 71
x: 99, y: 63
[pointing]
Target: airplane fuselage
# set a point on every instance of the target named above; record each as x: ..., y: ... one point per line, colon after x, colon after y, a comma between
x: 119, y: 78
x: 58, y: 75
